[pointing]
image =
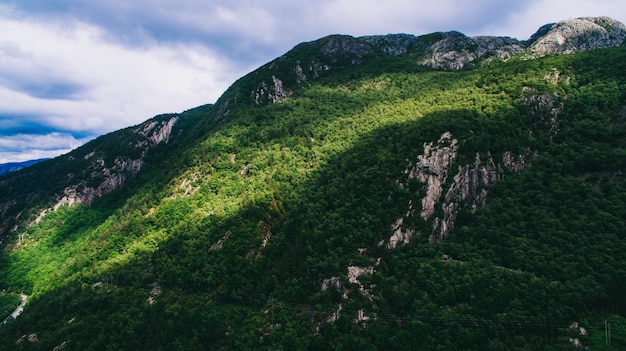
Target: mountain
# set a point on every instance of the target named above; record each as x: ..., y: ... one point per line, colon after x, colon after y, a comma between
x: 382, y: 192
x: 15, y: 166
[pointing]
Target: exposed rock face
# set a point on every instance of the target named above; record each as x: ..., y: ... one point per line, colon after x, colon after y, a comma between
x: 457, y: 51
x: 300, y: 76
x: 578, y: 34
x: 156, y: 291
x: 338, y: 46
x: 392, y: 44
x: 454, y: 50
x: 113, y: 178
x: 543, y: 109
x: 123, y: 168
x: 269, y: 93
x: 467, y: 189
x: 332, y: 282
x: 223, y: 109
x: 432, y: 170
x: 99, y: 178
x: 354, y: 272
x: 317, y: 68
x: 220, y: 243
x: 518, y: 163
x: 338, y: 284
x: 187, y: 186
x: 31, y: 338
x: 155, y: 132
x: 400, y: 233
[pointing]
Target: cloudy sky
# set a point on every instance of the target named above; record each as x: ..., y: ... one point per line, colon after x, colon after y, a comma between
x: 71, y: 70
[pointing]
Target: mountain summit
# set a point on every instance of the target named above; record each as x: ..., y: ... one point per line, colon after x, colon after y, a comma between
x: 454, y: 50
x: 382, y: 192
x: 578, y: 34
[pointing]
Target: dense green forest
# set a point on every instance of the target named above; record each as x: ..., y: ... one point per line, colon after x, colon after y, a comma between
x: 246, y: 231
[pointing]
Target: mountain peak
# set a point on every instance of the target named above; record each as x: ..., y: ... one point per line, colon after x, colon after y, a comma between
x: 579, y: 34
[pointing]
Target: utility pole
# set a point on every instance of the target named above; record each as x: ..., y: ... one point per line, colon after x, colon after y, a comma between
x: 607, y: 333
x: 610, y: 347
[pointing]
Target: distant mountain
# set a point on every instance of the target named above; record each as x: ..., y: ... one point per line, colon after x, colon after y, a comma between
x: 377, y: 193
x: 15, y: 166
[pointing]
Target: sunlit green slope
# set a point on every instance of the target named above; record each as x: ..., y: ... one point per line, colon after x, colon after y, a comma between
x: 292, y: 215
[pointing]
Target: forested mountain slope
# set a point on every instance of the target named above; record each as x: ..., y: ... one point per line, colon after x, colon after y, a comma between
x: 350, y: 194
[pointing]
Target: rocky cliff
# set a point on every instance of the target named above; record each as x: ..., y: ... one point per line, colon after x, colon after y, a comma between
x: 457, y: 51
x: 575, y: 35
x: 88, y: 173
x: 449, y: 186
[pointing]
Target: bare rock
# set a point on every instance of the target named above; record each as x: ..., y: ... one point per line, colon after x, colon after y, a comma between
x: 392, y: 44
x: 269, y: 93
x: 457, y: 51
x: 575, y: 35
x: 468, y: 187
x: 338, y: 46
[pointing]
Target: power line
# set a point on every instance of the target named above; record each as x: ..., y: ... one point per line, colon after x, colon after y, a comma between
x: 463, y: 321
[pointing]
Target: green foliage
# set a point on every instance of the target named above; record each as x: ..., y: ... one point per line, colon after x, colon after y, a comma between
x: 225, y: 239
x: 8, y: 303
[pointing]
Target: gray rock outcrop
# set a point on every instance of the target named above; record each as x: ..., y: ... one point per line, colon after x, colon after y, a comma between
x: 98, y: 177
x: 457, y: 51
x: 448, y: 186
x: 123, y: 168
x: 575, y: 35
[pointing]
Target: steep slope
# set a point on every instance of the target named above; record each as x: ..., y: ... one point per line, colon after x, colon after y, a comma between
x: 345, y: 196
x: 87, y: 173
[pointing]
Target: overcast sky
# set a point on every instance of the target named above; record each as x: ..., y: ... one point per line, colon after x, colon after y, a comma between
x: 71, y: 70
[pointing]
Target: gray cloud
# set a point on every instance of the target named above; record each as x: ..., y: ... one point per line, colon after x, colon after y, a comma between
x: 251, y: 32
x: 248, y: 31
x: 42, y: 87
x: 24, y: 147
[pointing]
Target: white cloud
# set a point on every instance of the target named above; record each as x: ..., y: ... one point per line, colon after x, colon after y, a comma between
x: 115, y: 85
x: 24, y: 147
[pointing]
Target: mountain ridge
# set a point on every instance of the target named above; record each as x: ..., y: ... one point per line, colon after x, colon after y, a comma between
x: 436, y: 48
x: 439, y: 50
